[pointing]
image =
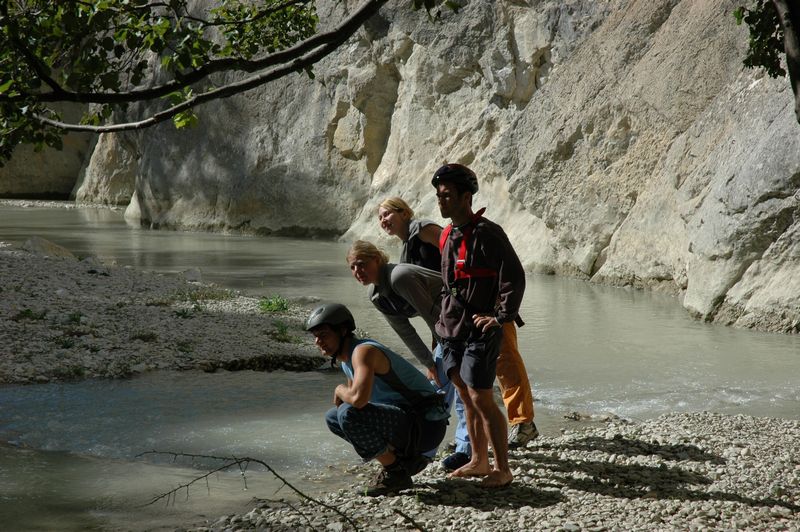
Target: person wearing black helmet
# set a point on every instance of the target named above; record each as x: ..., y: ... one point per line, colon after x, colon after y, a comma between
x: 387, y: 410
x: 483, y: 287
x: 420, y: 239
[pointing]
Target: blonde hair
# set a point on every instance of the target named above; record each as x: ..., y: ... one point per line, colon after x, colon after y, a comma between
x: 397, y: 204
x: 363, y: 250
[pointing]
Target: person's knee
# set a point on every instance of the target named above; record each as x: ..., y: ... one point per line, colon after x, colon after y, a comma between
x: 332, y: 416
x: 482, y: 398
x: 346, y: 414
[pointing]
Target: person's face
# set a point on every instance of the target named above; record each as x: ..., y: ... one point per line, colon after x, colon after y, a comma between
x: 365, y: 270
x: 450, y: 201
x: 391, y: 221
x: 326, y: 339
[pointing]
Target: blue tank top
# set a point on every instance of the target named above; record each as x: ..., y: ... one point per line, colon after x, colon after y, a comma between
x: 402, y: 386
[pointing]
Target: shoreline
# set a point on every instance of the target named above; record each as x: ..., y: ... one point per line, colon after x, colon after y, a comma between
x: 66, y: 319
x: 687, y: 471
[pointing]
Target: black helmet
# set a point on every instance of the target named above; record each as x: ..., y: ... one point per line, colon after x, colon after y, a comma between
x: 333, y: 314
x: 458, y: 174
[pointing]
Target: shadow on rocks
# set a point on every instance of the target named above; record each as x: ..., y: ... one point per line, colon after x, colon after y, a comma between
x: 629, y: 447
x: 469, y: 493
x: 633, y: 481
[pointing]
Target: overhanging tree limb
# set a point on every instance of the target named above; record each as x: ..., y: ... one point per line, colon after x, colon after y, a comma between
x: 338, y: 35
x: 332, y: 40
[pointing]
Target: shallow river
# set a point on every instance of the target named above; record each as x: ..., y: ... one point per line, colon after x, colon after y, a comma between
x: 69, y: 457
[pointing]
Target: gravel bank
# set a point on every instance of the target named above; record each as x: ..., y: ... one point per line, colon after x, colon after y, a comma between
x: 697, y: 471
x: 62, y: 319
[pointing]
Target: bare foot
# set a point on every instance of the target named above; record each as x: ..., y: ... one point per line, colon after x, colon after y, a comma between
x: 497, y: 479
x: 471, y: 470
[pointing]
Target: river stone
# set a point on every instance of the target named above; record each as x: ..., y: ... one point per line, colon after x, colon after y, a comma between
x: 617, y: 141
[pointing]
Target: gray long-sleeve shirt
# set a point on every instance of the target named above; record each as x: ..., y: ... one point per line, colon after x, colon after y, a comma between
x: 404, y: 291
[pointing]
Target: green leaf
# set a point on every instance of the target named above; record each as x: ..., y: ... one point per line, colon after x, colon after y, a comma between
x: 5, y: 86
x: 738, y: 14
x: 185, y: 119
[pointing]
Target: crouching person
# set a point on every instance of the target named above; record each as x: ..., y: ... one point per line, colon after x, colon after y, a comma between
x: 388, y: 411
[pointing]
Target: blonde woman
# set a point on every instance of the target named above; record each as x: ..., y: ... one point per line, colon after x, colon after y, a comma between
x: 420, y: 237
x: 400, y: 292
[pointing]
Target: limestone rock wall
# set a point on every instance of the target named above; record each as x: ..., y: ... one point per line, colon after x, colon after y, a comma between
x: 620, y: 141
x: 47, y: 173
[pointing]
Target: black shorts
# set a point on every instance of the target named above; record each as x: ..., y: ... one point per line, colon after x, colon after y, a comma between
x: 475, y: 358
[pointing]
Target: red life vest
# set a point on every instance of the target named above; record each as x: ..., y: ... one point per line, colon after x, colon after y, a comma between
x: 462, y: 271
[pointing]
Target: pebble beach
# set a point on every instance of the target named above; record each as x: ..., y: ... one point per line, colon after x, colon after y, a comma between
x: 65, y: 318
x: 682, y: 471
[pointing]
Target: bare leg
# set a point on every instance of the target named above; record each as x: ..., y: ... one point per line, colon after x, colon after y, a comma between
x: 494, y: 425
x: 478, y: 466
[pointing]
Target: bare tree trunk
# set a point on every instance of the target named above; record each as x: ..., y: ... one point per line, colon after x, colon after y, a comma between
x: 789, y: 15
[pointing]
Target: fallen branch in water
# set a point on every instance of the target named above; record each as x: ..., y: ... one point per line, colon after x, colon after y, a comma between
x: 242, y: 464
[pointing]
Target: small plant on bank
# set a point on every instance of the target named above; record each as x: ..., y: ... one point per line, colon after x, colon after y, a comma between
x: 66, y: 342
x: 144, y: 336
x: 274, y: 303
x: 29, y: 314
x: 74, y: 317
x: 184, y: 346
x: 183, y: 313
x: 281, y: 332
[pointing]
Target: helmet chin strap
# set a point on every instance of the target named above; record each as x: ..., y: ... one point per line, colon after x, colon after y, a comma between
x: 338, y: 351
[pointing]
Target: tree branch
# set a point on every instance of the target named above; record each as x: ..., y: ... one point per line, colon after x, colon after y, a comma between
x: 30, y: 58
x: 224, y: 91
x: 336, y: 36
x: 242, y: 463
x: 789, y: 15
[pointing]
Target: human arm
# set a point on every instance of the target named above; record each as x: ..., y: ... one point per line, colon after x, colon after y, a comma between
x: 366, y: 360
x: 430, y: 233
x: 409, y: 336
x: 511, y: 282
x: 499, y: 295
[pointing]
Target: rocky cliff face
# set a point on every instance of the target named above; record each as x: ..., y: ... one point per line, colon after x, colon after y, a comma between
x: 47, y: 173
x: 619, y: 141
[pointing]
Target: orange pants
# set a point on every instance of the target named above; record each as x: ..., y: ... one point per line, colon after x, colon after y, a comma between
x: 513, y: 378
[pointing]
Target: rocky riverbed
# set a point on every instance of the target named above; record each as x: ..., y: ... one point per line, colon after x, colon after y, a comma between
x: 695, y: 471
x: 64, y: 318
